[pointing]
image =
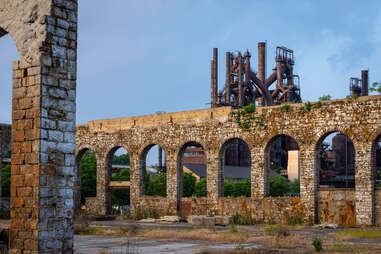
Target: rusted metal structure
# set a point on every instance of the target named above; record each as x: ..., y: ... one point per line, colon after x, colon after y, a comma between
x: 359, y: 87
x: 243, y: 86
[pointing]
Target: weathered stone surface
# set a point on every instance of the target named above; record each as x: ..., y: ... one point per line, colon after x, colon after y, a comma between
x: 42, y: 112
x: 212, y: 128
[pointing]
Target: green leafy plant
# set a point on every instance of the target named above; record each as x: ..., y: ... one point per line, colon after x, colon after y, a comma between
x: 295, y: 219
x: 375, y: 87
x: 352, y: 97
x: 325, y: 97
x: 310, y: 220
x: 285, y: 108
x: 318, y: 244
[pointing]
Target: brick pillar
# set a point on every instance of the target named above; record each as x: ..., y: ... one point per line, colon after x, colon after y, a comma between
x: 308, y: 182
x: 259, y: 174
x: 43, y: 139
x: 214, y: 185
x: 365, y: 208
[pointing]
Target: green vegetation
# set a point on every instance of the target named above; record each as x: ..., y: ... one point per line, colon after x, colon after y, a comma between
x: 295, y: 219
x: 285, y: 108
x: 245, y: 122
x: 358, y: 233
x: 375, y: 87
x: 189, y: 184
x: 123, y: 159
x: 121, y: 197
x: 352, y: 96
x: 280, y: 187
x: 156, y: 186
x: 318, y: 244
x: 200, y: 188
x: 6, y: 181
x: 239, y: 219
x: 88, y: 171
x: 306, y: 107
x: 325, y: 97
x: 237, y: 189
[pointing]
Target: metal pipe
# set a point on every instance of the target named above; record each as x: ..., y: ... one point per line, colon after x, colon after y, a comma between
x: 228, y: 77
x: 364, y: 82
x: 240, y: 81
x: 262, y: 61
x: 213, y: 78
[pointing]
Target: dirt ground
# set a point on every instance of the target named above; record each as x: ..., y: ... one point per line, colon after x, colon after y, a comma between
x: 121, y: 236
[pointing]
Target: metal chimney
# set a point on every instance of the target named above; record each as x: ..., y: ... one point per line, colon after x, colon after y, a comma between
x: 364, y: 82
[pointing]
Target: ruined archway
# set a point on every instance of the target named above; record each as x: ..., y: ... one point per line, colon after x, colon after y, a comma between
x: 282, y: 166
x: 234, y: 169
x: 152, y: 171
x: 117, y: 180
x: 191, y: 175
x: 86, y: 169
x: 43, y: 122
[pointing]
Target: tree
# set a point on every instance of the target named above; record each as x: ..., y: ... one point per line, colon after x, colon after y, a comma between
x: 375, y: 87
x: 123, y: 159
x: 200, y: 188
x: 6, y: 181
x: 88, y: 171
x: 189, y: 184
x: 156, y: 186
x: 325, y: 97
x: 279, y: 187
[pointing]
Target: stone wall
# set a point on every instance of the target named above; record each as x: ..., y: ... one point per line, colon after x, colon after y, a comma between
x: 212, y: 128
x: 43, y: 123
x: 378, y: 207
x: 337, y: 206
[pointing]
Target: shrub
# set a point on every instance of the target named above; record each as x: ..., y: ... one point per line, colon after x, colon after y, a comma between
x: 200, y: 188
x: 285, y: 108
x: 318, y: 244
x: 294, y: 219
x: 239, y: 219
x: 249, y: 108
x: 325, y: 97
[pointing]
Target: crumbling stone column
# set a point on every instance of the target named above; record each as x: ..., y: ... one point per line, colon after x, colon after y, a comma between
x: 365, y: 209
x: 102, y: 183
x: 308, y: 182
x: 259, y: 174
x: 214, y: 177
x: 43, y: 123
x: 135, y: 183
x: 172, y: 181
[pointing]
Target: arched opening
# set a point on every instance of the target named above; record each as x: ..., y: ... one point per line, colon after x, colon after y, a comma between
x: 234, y: 169
x: 86, y: 168
x: 9, y: 54
x: 118, y: 181
x: 191, y: 174
x: 336, y: 161
x: 153, y: 171
x: 282, y: 163
x: 377, y: 161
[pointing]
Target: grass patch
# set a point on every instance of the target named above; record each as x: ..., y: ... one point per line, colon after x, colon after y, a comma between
x: 358, y: 233
x: 350, y: 248
x: 234, y: 236
x: 93, y: 231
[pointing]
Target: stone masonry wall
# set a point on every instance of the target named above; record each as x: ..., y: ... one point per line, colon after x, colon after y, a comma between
x: 359, y: 119
x: 43, y: 123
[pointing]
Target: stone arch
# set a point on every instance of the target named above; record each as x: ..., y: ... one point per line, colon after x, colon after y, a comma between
x: 78, y: 199
x: 222, y: 162
x: 110, y: 152
x: 32, y: 25
x: 287, y: 143
x: 317, y: 156
x: 142, y: 165
x: 180, y: 165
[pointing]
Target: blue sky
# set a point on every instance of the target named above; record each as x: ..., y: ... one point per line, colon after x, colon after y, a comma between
x: 137, y: 57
